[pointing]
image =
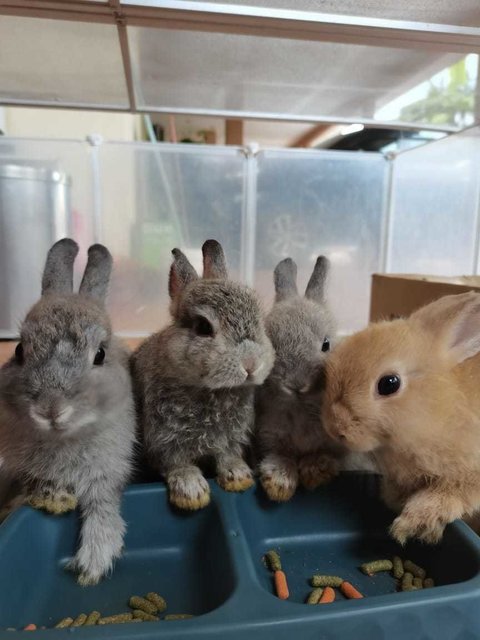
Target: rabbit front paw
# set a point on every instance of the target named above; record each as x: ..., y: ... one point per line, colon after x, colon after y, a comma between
x: 188, y: 489
x: 406, y: 527
x: 426, y: 515
x: 279, y: 478
x: 52, y: 501
x: 237, y: 476
x: 316, y: 469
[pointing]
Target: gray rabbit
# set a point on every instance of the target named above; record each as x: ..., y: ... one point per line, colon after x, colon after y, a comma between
x: 67, y: 420
x: 290, y: 441
x: 195, y: 380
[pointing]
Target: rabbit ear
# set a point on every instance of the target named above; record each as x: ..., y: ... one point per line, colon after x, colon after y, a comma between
x: 285, y: 280
x: 316, y: 285
x: 58, y: 271
x: 181, y: 273
x: 97, y: 273
x: 455, y: 321
x: 214, y: 262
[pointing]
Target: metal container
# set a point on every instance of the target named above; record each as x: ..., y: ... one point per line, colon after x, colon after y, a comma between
x: 34, y: 213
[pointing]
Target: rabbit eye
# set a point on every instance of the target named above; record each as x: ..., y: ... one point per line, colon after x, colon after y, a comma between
x: 326, y: 344
x: 99, y: 356
x: 202, y: 327
x: 387, y: 385
x: 19, y: 353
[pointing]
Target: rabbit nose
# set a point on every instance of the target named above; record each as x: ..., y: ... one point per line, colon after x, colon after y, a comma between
x: 249, y: 364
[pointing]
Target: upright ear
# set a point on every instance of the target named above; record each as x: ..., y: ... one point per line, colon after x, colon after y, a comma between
x: 97, y: 273
x: 214, y: 262
x: 285, y: 280
x: 181, y: 273
x: 58, y: 271
x: 316, y: 285
x: 455, y: 322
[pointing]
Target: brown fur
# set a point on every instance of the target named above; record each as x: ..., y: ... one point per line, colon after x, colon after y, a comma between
x: 425, y: 437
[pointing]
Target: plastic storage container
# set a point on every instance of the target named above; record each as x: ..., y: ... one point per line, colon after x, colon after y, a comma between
x: 210, y: 564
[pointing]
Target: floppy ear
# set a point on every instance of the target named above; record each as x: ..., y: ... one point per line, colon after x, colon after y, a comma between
x: 97, y: 273
x: 58, y: 272
x: 316, y: 285
x: 181, y: 273
x: 214, y: 262
x: 285, y: 280
x: 455, y: 322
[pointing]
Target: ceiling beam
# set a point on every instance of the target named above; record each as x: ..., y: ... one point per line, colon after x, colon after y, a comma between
x: 259, y: 21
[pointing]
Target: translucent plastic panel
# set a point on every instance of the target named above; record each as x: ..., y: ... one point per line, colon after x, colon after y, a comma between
x: 435, y: 207
x: 211, y: 71
x: 60, y: 62
x: 155, y: 198
x: 464, y: 12
x: 327, y: 203
x: 45, y: 195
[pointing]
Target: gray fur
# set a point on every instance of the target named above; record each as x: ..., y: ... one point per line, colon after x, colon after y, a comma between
x: 289, y: 433
x: 181, y: 273
x: 66, y: 425
x: 214, y: 261
x: 316, y: 285
x: 194, y: 396
x: 285, y: 280
x: 97, y: 273
x: 58, y: 272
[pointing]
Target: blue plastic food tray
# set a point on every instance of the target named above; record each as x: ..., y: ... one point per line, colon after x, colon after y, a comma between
x: 209, y: 563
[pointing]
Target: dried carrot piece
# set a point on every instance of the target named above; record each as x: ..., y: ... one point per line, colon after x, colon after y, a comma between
x: 281, y: 586
x: 328, y: 596
x: 349, y: 591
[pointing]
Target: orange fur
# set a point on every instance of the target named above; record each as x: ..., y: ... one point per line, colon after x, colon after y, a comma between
x: 426, y: 437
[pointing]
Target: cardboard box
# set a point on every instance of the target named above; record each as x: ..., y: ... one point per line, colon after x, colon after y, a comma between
x: 397, y: 295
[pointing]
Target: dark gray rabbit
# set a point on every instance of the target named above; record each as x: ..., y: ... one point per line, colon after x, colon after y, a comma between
x: 67, y: 419
x: 290, y: 441
x: 195, y: 379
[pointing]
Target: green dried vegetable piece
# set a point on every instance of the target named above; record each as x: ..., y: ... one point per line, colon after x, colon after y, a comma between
x: 398, y: 569
x: 142, y: 615
x: 136, y: 602
x: 157, y: 600
x: 120, y: 618
x: 413, y: 568
x: 315, y: 596
x: 92, y: 618
x: 273, y: 560
x: 407, y: 581
x: 326, y: 581
x: 79, y: 620
x: 64, y: 623
x: 428, y: 583
x: 178, y: 616
x: 418, y: 583
x: 371, y: 568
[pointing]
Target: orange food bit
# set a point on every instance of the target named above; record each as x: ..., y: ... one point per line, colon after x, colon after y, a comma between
x: 349, y: 591
x: 281, y: 586
x: 328, y: 595
x: 30, y: 627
